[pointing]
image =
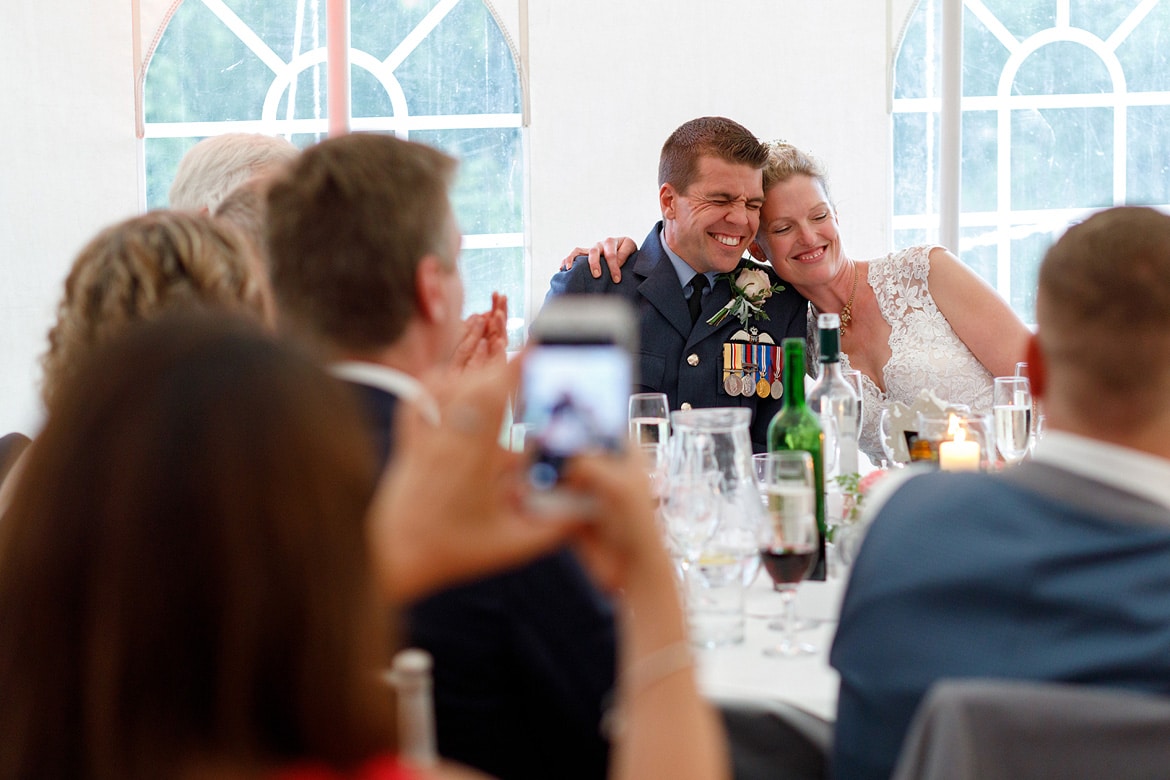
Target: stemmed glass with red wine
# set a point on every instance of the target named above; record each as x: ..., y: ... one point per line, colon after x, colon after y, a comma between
x: 788, y: 539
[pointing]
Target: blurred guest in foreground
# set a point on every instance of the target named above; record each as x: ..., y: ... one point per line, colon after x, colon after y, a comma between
x: 217, y: 165
x: 187, y: 586
x: 915, y: 319
x: 364, y: 246
x: 1058, y: 569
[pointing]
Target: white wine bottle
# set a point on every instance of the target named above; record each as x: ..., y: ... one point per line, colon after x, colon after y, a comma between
x: 410, y: 675
x: 835, y: 401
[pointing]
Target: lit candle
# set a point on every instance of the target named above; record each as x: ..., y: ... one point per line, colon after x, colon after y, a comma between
x: 958, y: 454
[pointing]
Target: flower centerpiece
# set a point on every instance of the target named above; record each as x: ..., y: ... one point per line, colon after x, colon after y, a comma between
x: 750, y: 287
x: 854, y: 488
x: 848, y: 529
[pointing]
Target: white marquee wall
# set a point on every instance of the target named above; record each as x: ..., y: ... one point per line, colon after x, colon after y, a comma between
x: 607, y: 80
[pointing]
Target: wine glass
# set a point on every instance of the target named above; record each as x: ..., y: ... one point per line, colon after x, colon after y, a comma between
x: 649, y: 418
x: 1012, y: 408
x: 892, y: 441
x: 789, y: 539
x: 853, y: 377
x: 690, y: 497
x: 690, y: 513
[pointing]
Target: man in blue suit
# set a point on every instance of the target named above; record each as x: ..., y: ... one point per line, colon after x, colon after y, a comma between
x: 710, y: 193
x: 363, y: 245
x: 1056, y: 570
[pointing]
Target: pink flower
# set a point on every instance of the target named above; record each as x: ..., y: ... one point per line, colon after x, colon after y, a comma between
x: 869, y: 480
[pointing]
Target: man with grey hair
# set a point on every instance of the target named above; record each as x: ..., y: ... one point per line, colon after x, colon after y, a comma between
x: 217, y: 165
x: 1057, y: 570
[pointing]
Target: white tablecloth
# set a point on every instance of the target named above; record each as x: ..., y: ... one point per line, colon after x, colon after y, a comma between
x: 744, y: 672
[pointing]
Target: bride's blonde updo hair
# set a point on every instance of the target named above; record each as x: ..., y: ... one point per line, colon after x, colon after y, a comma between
x: 786, y: 161
x: 139, y: 268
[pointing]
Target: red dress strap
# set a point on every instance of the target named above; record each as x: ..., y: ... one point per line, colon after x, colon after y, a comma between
x: 385, y: 767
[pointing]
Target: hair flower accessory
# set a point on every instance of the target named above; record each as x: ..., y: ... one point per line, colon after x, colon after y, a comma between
x: 750, y: 287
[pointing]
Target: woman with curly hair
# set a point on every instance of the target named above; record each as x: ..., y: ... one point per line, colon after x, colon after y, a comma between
x: 138, y: 268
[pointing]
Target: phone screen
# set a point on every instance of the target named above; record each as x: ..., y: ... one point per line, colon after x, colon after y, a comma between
x: 576, y: 398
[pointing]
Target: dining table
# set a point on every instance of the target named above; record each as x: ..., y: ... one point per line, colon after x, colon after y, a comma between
x: 743, y: 672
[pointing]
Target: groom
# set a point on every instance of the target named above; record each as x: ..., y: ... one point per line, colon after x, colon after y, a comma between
x: 710, y: 192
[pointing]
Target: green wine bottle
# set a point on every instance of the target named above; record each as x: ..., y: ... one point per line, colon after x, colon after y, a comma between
x: 796, y: 427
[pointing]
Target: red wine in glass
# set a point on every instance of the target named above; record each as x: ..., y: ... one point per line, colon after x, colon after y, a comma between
x: 788, y: 565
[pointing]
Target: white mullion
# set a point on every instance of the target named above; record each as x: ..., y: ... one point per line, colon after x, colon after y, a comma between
x: 298, y: 35
x: 1062, y: 15
x: 246, y: 35
x: 1120, y: 165
x: 1073, y: 100
x: 1132, y: 21
x: 935, y: 104
x: 951, y: 126
x: 492, y: 240
x: 1020, y: 226
x: 419, y: 33
x: 993, y: 25
x: 288, y: 127
x: 444, y: 122
x: 1003, y: 167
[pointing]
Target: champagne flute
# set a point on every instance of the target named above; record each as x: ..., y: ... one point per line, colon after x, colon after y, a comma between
x: 789, y: 540
x: 654, y: 456
x: 853, y: 377
x: 649, y: 418
x: 1012, y: 407
x: 1036, y: 428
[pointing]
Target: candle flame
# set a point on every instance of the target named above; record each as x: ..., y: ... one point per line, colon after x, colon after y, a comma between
x: 955, y: 429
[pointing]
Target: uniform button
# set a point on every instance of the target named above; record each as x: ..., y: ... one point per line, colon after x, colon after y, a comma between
x: 692, y: 359
x: 686, y: 407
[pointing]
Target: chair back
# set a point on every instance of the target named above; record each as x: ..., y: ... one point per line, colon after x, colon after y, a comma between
x: 1016, y: 730
x: 775, y: 739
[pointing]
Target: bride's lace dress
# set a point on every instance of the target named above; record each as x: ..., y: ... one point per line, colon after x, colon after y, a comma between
x: 926, y: 353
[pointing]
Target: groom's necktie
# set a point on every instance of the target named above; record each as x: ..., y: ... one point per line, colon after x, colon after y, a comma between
x: 697, y: 284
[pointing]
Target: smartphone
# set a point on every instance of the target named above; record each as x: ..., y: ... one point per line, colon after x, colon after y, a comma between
x: 577, y: 378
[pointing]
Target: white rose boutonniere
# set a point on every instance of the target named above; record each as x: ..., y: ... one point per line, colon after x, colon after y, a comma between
x: 750, y: 287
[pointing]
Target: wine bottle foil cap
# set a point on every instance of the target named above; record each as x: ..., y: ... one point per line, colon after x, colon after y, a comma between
x: 828, y: 320
x: 830, y: 332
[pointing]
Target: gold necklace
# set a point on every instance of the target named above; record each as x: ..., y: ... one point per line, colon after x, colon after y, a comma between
x: 847, y: 309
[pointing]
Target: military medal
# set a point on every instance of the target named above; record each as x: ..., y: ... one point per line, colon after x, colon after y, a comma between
x: 764, y: 387
x: 777, y: 384
x: 750, y: 363
x: 751, y: 368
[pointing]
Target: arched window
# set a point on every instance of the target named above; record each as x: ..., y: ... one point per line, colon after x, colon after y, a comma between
x: 441, y: 72
x: 1064, y: 111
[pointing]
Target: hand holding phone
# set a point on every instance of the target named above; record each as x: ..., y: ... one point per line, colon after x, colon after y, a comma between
x: 576, y: 385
